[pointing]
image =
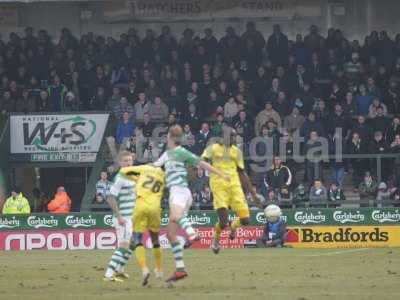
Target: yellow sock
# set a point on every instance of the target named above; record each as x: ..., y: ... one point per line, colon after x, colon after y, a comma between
x: 235, y: 224
x: 140, y: 253
x: 218, y: 231
x: 157, y: 252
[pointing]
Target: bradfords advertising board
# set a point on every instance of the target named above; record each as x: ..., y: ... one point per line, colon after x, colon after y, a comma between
x: 345, y: 236
x: 64, y: 137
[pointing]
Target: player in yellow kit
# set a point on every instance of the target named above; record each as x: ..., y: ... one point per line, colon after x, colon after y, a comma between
x: 228, y: 158
x: 147, y: 214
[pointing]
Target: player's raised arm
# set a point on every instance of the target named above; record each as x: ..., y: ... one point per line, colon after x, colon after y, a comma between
x: 161, y: 160
x: 206, y: 166
x: 195, y: 160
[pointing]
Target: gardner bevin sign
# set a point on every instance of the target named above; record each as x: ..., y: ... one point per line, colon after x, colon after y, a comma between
x: 58, y: 137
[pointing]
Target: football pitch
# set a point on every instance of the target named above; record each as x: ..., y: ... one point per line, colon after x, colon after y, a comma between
x: 286, y: 273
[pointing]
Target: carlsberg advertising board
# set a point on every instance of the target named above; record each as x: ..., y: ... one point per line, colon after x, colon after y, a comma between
x: 58, y: 137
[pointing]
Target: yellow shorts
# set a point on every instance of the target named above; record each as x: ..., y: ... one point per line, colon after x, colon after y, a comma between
x: 146, y: 217
x: 230, y: 196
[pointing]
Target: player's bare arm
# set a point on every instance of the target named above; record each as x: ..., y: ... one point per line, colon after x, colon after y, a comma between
x: 112, y: 202
x: 206, y: 166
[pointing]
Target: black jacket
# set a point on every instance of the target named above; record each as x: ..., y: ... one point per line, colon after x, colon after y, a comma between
x: 278, y: 177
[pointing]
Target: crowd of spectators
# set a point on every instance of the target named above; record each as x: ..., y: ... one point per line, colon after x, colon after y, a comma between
x: 261, y: 84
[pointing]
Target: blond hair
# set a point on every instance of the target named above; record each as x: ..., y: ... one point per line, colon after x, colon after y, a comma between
x: 175, y: 134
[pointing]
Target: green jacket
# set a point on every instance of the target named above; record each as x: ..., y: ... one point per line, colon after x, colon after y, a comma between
x: 18, y: 205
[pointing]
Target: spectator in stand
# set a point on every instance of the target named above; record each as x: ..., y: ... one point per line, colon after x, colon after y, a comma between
x: 202, y: 138
x: 373, y: 108
x: 278, y: 176
x: 349, y: 105
x: 311, y: 125
x: 294, y: 121
x: 367, y: 188
x: 230, y: 109
x: 243, y: 127
x: 206, y: 198
x: 200, y: 181
x: 339, y: 121
x: 352, y: 68
x: 192, y: 118
x: 278, y: 47
x: 38, y: 201
x: 380, y: 122
x: 147, y: 127
x: 61, y: 203
x: 174, y: 101
x: 336, y: 149
x: 26, y: 103
x: 300, y: 196
x: 285, y: 197
x: 216, y: 129
x: 17, y: 203
x: 395, y: 149
x: 392, y: 130
x: 57, y: 92
x: 363, y: 130
x: 356, y: 147
x: 187, y: 135
x: 318, y: 194
x: 99, y: 100
x: 103, y: 187
x: 122, y: 107
x: 44, y: 104
x: 313, y: 163
x: 378, y: 145
x: 141, y: 107
x: 98, y: 204
x: 313, y: 40
x: 264, y: 116
x: 282, y: 105
x: 7, y: 105
x: 363, y: 100
x: 383, y: 195
x: 125, y: 129
x: 335, y: 195
x: 158, y: 110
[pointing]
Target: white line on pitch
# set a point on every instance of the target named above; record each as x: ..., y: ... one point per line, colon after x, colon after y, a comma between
x: 336, y: 252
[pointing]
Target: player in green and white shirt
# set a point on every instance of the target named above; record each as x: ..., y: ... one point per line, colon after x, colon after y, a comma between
x: 122, y: 199
x: 175, y: 160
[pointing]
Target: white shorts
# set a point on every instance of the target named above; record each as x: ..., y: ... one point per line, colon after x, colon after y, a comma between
x: 124, y: 232
x: 180, y: 196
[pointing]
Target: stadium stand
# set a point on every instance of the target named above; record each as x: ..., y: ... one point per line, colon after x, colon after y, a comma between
x: 266, y: 87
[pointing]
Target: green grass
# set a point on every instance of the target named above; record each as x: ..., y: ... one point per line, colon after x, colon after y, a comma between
x: 234, y: 274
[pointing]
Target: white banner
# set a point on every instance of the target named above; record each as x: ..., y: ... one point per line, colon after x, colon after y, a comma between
x: 57, y: 135
x: 175, y: 10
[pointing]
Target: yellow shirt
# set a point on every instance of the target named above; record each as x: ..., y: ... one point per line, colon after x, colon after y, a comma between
x: 150, y: 182
x: 225, y: 159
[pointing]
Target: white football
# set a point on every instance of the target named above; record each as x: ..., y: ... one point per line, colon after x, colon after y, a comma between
x: 272, y: 212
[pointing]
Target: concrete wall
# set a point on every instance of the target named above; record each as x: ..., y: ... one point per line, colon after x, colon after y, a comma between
x: 360, y: 17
